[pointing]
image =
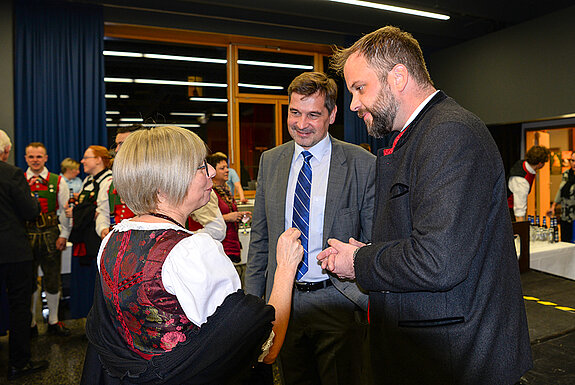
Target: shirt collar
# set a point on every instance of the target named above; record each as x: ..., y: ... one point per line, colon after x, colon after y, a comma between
x: 43, y: 173
x: 418, y: 110
x: 529, y: 168
x: 318, y: 151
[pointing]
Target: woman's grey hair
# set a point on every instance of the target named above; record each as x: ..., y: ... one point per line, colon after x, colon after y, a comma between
x: 5, y: 143
x: 162, y: 160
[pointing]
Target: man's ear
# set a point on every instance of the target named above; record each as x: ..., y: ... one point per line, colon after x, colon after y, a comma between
x: 398, y: 77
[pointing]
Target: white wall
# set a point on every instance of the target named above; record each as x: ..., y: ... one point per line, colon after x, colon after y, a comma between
x: 7, y: 73
x: 519, y: 74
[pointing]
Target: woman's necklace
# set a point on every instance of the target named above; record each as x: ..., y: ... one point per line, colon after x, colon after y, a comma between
x: 166, y: 218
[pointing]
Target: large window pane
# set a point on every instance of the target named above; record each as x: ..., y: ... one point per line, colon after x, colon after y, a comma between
x: 163, y: 83
x: 262, y: 72
x: 257, y: 134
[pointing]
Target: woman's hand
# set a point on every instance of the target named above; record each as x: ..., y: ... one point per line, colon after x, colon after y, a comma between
x: 234, y: 216
x: 68, y: 212
x: 289, y: 249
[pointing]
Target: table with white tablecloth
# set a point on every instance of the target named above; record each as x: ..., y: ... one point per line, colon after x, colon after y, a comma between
x: 553, y: 258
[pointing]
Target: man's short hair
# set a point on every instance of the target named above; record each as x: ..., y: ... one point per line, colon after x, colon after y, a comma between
x: 308, y: 83
x: 130, y: 128
x: 537, y: 154
x: 5, y: 143
x: 383, y: 49
x: 69, y: 164
x: 161, y: 159
x: 37, y: 145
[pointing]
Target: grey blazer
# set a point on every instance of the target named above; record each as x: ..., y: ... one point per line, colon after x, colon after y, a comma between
x: 350, y: 200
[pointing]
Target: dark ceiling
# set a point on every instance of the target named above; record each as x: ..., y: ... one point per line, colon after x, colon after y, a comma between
x: 323, y: 21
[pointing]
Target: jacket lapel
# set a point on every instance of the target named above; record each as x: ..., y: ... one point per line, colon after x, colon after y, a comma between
x: 282, y: 175
x: 335, y: 186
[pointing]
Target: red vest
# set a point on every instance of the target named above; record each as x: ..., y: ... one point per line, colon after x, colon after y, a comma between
x: 47, y: 191
x: 118, y: 209
x: 150, y: 320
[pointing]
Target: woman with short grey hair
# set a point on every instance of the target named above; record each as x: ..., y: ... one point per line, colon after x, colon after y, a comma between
x: 168, y: 305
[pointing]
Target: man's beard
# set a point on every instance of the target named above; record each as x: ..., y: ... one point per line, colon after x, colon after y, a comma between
x: 383, y: 113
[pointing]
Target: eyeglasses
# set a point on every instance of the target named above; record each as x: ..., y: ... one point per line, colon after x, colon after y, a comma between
x: 205, y: 167
x: 88, y: 157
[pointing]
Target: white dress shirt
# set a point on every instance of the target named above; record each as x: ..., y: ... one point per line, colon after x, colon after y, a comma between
x: 320, y: 173
x: 418, y: 110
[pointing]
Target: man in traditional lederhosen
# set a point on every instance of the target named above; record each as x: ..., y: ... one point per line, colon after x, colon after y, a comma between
x: 46, y: 238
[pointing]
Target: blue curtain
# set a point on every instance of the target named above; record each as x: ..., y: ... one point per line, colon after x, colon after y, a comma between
x: 355, y: 130
x: 59, y: 79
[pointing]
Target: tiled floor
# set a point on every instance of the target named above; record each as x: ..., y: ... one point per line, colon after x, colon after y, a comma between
x: 552, y: 332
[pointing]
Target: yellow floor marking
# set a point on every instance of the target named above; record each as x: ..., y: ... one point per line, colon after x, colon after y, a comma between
x: 547, y: 303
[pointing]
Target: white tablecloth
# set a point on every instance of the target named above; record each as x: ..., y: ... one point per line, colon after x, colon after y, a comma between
x: 553, y: 258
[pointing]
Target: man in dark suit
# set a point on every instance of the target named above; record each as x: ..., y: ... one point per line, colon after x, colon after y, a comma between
x: 17, y: 205
x: 325, y: 335
x: 445, y: 296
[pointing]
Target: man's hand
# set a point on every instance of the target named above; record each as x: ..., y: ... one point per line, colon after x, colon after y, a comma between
x: 338, y: 258
x: 61, y: 243
x: 104, y: 233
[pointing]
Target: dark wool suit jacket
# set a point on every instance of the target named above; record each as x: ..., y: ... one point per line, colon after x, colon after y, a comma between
x: 446, y: 305
x: 17, y: 205
x: 348, y: 210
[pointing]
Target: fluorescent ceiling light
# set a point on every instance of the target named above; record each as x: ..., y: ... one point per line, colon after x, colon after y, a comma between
x: 111, y: 96
x: 165, y: 57
x: 179, y: 83
x: 187, y: 113
x: 118, y: 80
x: 185, y: 58
x: 392, y: 8
x: 124, y: 96
x: 112, y: 112
x: 131, y: 120
x: 271, y: 64
x: 109, y: 119
x: 196, y: 99
x: 220, y: 115
x: 163, y: 82
x: 124, y: 54
x: 260, y: 86
x: 172, y: 124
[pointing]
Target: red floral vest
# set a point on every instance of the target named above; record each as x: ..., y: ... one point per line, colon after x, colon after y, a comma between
x: 149, y: 319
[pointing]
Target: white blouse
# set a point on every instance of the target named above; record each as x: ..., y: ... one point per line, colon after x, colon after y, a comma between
x: 196, y: 271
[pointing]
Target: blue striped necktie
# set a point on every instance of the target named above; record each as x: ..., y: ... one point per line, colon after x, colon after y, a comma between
x: 301, y: 203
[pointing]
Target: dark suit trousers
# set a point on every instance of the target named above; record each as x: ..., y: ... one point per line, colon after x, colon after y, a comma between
x: 325, y: 340
x: 19, y: 280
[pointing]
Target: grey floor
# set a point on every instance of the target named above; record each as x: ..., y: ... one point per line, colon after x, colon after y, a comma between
x: 551, y: 328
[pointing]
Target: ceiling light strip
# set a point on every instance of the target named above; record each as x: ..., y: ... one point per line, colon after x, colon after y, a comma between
x: 260, y: 86
x: 392, y: 8
x: 198, y: 99
x: 272, y: 64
